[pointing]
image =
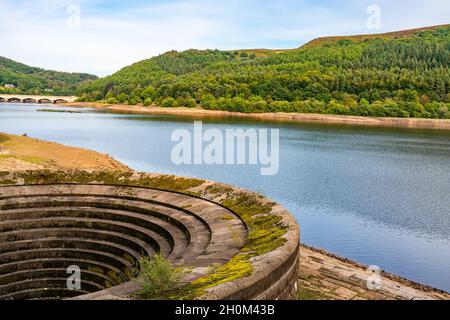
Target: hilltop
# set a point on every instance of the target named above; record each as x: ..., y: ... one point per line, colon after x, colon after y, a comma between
x: 388, y: 35
x: 401, y: 74
x: 31, y: 80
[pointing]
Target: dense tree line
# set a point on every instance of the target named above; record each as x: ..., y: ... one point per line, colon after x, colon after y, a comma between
x: 30, y: 80
x: 386, y: 76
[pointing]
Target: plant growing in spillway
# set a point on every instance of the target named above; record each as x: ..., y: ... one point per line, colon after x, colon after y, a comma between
x: 158, y: 276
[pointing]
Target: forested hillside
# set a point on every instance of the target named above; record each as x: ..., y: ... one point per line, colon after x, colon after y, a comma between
x: 32, y: 80
x: 404, y: 74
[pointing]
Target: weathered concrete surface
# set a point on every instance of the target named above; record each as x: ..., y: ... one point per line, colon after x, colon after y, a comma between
x: 104, y: 222
x: 324, y: 276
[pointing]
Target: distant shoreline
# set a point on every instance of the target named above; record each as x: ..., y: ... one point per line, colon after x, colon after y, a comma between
x: 416, y: 123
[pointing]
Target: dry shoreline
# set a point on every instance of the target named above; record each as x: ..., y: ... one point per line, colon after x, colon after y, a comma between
x: 439, y: 124
x: 19, y: 153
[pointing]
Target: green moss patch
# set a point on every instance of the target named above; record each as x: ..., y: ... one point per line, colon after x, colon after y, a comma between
x: 265, y: 235
x: 310, y: 295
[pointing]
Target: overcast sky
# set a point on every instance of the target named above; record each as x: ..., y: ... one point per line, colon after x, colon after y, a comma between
x: 100, y: 36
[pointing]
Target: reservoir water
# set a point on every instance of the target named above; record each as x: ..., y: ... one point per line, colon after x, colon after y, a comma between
x: 380, y: 196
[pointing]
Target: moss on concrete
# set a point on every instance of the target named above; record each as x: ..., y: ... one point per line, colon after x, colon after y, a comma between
x: 5, y: 178
x: 309, y: 295
x: 238, y: 267
x: 265, y: 234
x: 265, y: 229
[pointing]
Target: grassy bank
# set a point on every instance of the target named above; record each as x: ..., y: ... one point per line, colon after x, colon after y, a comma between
x: 24, y: 153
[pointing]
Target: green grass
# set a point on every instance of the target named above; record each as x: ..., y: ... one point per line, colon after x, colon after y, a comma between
x: 29, y: 159
x: 158, y: 277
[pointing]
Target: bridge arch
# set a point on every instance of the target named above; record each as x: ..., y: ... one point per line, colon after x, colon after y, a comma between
x: 17, y: 98
x: 56, y: 101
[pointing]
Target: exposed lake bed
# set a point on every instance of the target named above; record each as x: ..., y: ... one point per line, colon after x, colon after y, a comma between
x: 379, y: 196
x: 417, y: 123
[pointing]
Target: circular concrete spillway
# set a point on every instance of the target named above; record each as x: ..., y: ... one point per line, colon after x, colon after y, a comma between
x: 49, y: 224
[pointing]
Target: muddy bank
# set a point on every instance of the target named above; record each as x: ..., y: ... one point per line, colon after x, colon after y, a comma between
x: 441, y: 124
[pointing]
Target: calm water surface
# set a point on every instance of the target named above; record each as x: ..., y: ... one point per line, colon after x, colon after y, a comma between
x: 376, y: 195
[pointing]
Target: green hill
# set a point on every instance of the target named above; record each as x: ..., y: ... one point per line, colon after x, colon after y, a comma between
x: 400, y: 74
x: 32, y: 80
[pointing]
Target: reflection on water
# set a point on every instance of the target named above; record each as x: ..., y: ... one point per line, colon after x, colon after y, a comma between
x: 376, y: 195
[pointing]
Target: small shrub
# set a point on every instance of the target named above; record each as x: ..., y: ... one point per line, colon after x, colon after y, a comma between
x: 111, y: 100
x: 148, y: 102
x: 168, y: 103
x: 190, y: 103
x: 133, y: 101
x: 158, y: 276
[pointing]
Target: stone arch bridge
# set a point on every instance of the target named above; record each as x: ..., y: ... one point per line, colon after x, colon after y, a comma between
x: 16, y: 98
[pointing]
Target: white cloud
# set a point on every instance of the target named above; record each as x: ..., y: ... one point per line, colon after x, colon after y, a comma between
x: 115, y: 34
x: 104, y: 42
